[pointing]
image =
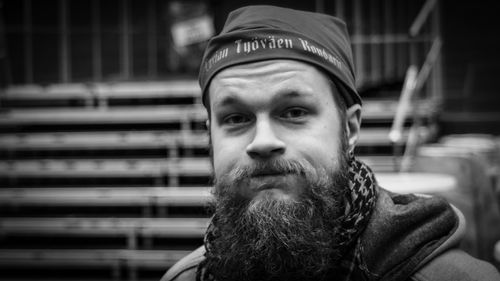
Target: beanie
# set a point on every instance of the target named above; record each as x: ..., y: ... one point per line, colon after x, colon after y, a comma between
x: 257, y: 33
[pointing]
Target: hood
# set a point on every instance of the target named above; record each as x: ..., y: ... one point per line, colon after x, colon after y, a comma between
x: 404, y: 232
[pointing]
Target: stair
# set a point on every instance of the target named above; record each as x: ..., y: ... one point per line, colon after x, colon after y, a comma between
x: 112, y: 180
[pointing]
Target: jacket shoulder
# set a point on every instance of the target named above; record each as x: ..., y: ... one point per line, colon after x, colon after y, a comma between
x: 185, y: 269
x: 457, y: 265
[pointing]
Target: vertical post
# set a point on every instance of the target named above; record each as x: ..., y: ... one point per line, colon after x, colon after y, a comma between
x: 437, y: 91
x: 125, y: 45
x: 376, y: 67
x: 402, y: 54
x: 358, y: 47
x: 413, y: 44
x: 116, y: 272
x: 152, y: 40
x: 64, y: 42
x: 389, y: 50
x: 132, y: 239
x: 320, y: 6
x: 340, y: 9
x: 132, y: 269
x: 4, y: 53
x: 28, y: 42
x: 96, y: 41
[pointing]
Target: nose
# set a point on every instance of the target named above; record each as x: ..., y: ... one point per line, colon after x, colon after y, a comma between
x: 265, y: 143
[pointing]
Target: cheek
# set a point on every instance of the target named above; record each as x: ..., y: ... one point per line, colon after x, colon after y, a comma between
x: 321, y: 147
x: 226, y: 154
x: 322, y: 153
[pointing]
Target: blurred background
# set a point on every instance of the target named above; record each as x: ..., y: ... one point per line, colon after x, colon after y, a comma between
x: 104, y: 168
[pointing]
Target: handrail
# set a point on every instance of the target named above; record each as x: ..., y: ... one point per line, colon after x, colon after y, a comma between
x: 414, y: 81
x: 422, y: 16
x: 429, y: 63
x: 396, y: 132
x: 414, y: 84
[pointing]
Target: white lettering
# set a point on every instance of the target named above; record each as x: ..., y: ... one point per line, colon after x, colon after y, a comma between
x: 263, y: 42
x: 246, y: 47
x: 280, y: 42
x: 305, y: 44
x: 238, y: 46
x: 219, y: 55
x: 320, y: 52
x: 272, y: 44
x: 255, y: 45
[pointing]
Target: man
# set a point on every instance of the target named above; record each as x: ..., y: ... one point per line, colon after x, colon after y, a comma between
x: 291, y: 201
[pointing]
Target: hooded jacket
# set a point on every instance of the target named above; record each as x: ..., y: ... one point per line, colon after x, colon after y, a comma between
x: 408, y: 237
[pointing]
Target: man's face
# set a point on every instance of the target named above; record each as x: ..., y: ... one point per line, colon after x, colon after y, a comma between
x: 279, y: 150
x: 271, y: 111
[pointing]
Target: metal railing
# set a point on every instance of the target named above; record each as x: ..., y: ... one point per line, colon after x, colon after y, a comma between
x: 409, y: 100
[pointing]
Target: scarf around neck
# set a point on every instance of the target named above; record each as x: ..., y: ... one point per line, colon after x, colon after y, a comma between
x: 359, y: 207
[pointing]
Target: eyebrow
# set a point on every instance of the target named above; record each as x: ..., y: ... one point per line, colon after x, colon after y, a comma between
x: 292, y: 94
x: 226, y: 101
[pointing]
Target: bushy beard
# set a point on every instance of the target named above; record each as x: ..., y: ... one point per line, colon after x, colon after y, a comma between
x: 273, y: 239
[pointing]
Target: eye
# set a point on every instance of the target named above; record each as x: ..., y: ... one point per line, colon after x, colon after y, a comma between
x: 294, y: 113
x: 235, y: 119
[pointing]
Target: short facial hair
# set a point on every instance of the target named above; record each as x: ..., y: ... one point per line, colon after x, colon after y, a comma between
x: 273, y: 239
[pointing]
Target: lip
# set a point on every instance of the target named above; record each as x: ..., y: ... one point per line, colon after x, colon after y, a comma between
x: 268, y: 181
x: 268, y: 172
x: 268, y: 175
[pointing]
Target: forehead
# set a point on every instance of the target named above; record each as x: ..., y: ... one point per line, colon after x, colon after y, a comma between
x: 267, y: 79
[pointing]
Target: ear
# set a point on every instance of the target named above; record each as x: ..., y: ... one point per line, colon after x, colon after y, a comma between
x: 353, y: 119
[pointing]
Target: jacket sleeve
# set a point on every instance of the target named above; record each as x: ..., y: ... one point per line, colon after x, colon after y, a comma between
x: 456, y: 265
x: 185, y: 269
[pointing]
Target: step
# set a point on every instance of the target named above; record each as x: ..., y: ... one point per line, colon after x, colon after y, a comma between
x: 177, y: 88
x: 103, y: 91
x: 105, y: 196
x: 380, y: 163
x: 127, y: 115
x: 158, y: 227
x: 105, y: 167
x: 50, y: 92
x: 103, y: 140
x: 385, y: 109
x: 91, y: 257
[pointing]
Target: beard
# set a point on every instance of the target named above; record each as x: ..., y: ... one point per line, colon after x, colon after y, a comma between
x: 268, y: 238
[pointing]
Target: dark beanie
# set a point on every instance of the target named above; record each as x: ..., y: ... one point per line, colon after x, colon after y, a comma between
x: 257, y: 33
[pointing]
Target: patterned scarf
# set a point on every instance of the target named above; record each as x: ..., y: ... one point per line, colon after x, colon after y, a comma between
x: 359, y: 207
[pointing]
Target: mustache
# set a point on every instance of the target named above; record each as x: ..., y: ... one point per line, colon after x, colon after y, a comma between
x: 269, y: 167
